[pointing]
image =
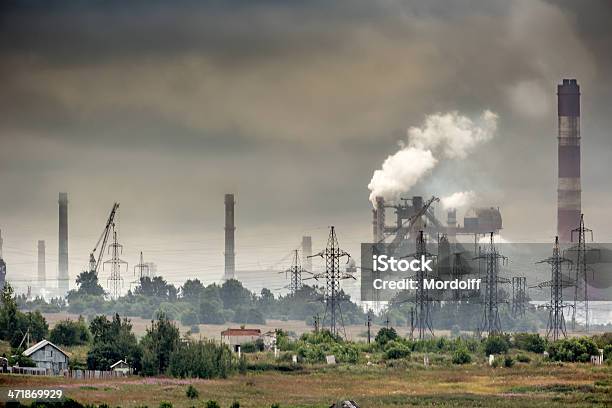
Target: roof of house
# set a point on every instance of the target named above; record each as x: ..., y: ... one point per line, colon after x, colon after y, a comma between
x: 241, y: 332
x: 117, y: 363
x: 40, y: 345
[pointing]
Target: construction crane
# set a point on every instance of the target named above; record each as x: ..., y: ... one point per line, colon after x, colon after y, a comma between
x: 94, y: 264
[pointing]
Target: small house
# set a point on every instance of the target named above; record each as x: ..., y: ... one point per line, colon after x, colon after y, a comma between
x: 236, y: 337
x: 48, y: 356
x: 121, y: 367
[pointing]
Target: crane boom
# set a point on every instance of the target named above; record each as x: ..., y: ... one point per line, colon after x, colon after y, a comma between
x: 94, y: 265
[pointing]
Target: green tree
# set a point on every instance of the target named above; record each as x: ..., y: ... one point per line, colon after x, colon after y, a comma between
x: 70, y: 333
x: 112, y: 341
x: 234, y: 295
x: 159, y: 342
x: 385, y: 335
x: 192, y: 290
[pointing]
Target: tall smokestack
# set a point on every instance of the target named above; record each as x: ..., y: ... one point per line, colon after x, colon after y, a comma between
x: 62, y: 266
x: 42, y: 270
x: 378, y: 222
x: 230, y: 256
x: 569, y: 192
x: 306, y: 252
x: 2, y: 265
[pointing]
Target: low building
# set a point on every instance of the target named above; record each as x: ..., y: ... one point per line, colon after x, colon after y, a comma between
x: 121, y: 367
x: 48, y: 356
x: 269, y: 340
x: 236, y: 337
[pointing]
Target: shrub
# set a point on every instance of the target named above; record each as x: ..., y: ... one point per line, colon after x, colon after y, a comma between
x: 523, y: 358
x: 235, y: 404
x: 496, y: 344
x: 165, y: 404
x: 201, y: 359
x: 608, y: 352
x: 462, y: 356
x: 275, y: 405
x: 212, y: 404
x: 395, y: 350
x: 385, y: 335
x: 572, y: 350
x: 191, y: 392
x: 508, y: 362
x: 530, y: 342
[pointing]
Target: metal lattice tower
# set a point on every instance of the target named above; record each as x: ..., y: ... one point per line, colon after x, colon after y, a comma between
x: 581, y: 293
x: 519, y: 296
x: 115, y: 281
x: 491, y: 322
x: 422, y: 299
x: 295, y: 273
x: 332, y: 254
x: 141, y: 270
x: 556, y: 319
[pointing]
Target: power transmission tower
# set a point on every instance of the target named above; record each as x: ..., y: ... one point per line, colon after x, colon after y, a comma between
x: 115, y: 281
x: 581, y: 293
x: 332, y: 254
x: 519, y: 296
x: 490, y: 317
x: 556, y: 319
x: 422, y: 298
x: 141, y: 270
x: 295, y: 272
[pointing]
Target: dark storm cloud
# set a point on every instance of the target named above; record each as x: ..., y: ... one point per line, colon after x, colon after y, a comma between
x: 291, y: 105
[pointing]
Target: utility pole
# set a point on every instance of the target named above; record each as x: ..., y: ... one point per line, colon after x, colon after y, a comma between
x: 369, y: 324
x: 332, y: 255
x: 490, y: 317
x: 115, y: 281
x: 317, y: 322
x: 412, y: 323
x: 556, y: 319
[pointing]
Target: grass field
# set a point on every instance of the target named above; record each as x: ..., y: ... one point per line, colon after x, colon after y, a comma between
x: 545, y: 385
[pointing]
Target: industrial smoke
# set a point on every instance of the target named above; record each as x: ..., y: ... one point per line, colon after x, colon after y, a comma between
x: 442, y: 136
x: 460, y: 199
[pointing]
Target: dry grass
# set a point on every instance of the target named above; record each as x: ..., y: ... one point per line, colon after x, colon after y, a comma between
x: 373, y: 386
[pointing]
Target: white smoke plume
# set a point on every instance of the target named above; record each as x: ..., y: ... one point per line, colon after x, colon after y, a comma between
x: 448, y: 135
x: 460, y: 199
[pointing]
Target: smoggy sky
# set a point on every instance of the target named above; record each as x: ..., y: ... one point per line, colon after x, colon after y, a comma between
x: 166, y: 106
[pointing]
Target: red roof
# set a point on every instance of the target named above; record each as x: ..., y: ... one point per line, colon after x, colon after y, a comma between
x: 241, y: 332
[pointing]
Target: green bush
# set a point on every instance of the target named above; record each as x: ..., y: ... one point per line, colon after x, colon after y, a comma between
x: 530, y: 342
x: 212, y: 404
x: 385, y: 335
x: 201, y: 359
x: 165, y: 404
x: 523, y: 358
x: 235, y: 404
x: 462, y: 356
x: 191, y: 392
x: 573, y: 350
x: 608, y: 352
x: 396, y: 350
x: 496, y: 344
x: 508, y: 362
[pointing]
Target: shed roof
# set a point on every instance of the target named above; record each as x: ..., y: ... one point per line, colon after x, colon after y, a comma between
x: 241, y: 332
x: 40, y: 345
x: 118, y: 363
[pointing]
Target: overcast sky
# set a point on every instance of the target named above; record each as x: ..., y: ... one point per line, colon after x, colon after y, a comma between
x: 166, y: 106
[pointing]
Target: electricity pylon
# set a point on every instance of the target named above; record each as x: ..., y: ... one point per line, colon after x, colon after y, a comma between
x: 115, y: 281
x: 333, y: 275
x: 556, y: 319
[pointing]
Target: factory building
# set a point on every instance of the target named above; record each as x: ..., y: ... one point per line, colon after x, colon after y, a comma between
x: 569, y: 190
